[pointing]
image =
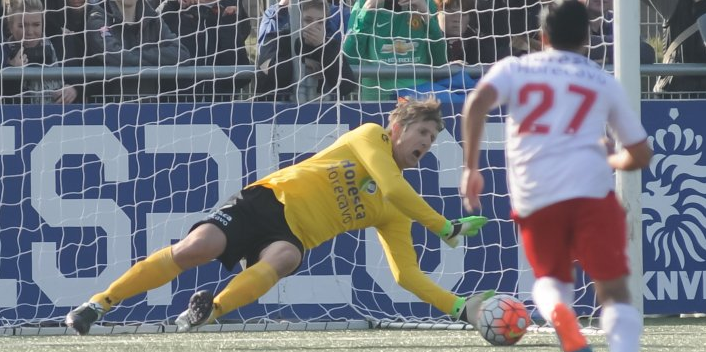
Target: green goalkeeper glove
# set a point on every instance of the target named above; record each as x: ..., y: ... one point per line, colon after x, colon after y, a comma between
x: 455, y: 229
x: 467, y: 309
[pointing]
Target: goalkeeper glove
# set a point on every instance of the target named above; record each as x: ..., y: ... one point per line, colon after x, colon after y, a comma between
x: 467, y: 309
x: 455, y: 229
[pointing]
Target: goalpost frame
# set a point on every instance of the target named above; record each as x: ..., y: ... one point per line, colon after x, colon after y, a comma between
x: 629, y: 184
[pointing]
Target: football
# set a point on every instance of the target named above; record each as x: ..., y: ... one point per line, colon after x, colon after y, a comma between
x: 503, y: 320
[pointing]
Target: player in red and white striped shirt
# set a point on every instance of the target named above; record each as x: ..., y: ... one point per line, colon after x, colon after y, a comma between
x: 560, y: 172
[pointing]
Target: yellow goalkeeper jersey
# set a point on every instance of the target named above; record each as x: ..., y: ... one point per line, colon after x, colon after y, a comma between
x: 354, y: 184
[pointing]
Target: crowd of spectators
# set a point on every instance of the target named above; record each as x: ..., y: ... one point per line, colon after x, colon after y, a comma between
x: 329, y: 40
x: 601, y: 34
x: 26, y: 45
x: 683, y: 42
x: 214, y: 33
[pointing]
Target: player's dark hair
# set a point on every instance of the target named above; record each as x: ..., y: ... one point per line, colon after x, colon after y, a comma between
x: 410, y: 110
x: 565, y: 23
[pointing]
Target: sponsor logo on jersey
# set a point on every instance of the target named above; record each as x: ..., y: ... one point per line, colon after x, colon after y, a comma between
x: 399, y: 46
x: 369, y: 185
x: 372, y: 187
x: 342, y: 179
x: 416, y: 22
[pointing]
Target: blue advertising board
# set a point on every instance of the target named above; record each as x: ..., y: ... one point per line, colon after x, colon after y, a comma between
x: 674, y: 208
x: 84, y: 193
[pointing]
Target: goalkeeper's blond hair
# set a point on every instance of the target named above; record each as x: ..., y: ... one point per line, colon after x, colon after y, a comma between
x: 410, y: 110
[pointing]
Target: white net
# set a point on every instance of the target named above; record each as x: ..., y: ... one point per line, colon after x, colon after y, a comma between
x: 177, y: 107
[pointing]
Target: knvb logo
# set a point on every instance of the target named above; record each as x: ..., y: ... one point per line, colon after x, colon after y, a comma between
x: 674, y: 215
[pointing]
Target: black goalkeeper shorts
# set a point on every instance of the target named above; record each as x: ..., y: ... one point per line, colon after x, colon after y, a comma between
x: 251, y: 220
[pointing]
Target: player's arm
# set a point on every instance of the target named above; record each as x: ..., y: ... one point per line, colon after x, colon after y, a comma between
x: 494, y: 89
x: 632, y: 157
x: 397, y: 243
x: 624, y: 123
x: 475, y: 112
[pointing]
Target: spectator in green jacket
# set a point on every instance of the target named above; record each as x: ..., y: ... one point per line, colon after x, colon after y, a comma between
x: 394, y: 34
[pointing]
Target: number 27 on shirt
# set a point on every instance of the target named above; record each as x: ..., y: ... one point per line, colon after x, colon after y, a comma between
x: 531, y: 123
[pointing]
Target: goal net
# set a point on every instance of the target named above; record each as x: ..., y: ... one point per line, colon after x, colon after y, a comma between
x: 148, y: 147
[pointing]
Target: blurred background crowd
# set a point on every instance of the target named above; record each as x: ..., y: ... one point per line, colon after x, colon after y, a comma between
x: 360, y: 49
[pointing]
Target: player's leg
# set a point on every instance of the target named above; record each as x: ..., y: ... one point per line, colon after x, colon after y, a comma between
x: 276, y: 253
x: 263, y: 237
x: 546, y: 239
x: 620, y: 320
x: 201, y: 245
x: 547, y: 292
x: 601, y: 248
x: 277, y: 260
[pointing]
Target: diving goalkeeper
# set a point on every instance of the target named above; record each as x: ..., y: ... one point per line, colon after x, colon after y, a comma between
x: 353, y: 184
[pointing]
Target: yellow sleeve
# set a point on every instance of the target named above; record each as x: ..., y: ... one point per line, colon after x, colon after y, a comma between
x: 376, y: 157
x: 396, y: 239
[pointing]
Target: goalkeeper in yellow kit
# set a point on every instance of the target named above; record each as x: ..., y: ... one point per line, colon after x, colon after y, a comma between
x: 353, y: 184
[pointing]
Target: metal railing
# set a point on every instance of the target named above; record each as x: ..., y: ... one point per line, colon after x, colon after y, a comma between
x: 93, y: 74
x: 247, y: 72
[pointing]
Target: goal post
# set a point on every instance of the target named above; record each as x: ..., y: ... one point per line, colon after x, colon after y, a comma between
x: 87, y: 190
x: 629, y: 183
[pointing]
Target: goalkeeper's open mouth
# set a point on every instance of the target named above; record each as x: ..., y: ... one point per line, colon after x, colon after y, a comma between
x: 417, y: 154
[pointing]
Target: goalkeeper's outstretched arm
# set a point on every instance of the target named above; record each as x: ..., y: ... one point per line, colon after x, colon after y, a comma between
x: 397, y: 243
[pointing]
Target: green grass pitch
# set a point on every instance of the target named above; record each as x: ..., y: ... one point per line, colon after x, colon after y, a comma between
x: 661, y: 334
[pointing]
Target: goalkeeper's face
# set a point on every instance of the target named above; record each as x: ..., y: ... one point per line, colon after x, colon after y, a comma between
x: 410, y: 143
